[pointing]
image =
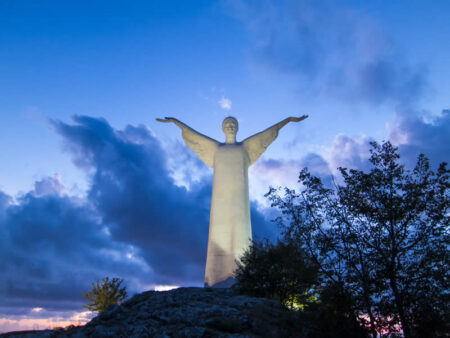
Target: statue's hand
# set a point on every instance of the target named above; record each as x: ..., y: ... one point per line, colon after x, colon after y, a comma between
x: 166, y: 119
x: 298, y: 119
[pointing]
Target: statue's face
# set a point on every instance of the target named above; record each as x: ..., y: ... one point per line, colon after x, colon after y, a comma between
x: 230, y: 126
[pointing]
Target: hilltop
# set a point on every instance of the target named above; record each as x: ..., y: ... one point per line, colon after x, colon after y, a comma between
x: 183, y: 312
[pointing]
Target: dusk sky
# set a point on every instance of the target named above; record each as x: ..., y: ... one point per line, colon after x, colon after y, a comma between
x: 92, y: 186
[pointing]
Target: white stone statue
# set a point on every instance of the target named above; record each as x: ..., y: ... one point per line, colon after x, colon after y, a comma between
x: 230, y: 230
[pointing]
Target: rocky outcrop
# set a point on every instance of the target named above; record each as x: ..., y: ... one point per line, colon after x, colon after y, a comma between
x: 184, y: 312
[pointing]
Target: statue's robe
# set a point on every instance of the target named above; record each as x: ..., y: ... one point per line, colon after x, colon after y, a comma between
x: 230, y: 231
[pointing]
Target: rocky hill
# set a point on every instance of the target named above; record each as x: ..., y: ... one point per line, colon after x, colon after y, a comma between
x: 184, y: 312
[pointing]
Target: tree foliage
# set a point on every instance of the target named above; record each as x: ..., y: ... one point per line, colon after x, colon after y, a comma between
x: 285, y: 272
x: 281, y: 271
x: 332, y: 315
x: 383, y: 235
x: 105, y: 293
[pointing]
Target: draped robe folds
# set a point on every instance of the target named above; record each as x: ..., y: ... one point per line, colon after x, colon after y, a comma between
x: 230, y: 230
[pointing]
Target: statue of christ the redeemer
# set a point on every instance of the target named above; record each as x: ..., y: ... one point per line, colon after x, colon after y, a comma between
x: 230, y: 231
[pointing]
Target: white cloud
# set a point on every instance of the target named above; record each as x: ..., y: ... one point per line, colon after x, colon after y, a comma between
x: 225, y: 103
x: 269, y: 172
x: 50, y: 186
x: 349, y: 152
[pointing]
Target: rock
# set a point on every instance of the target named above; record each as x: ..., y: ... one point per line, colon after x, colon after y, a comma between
x: 183, y: 312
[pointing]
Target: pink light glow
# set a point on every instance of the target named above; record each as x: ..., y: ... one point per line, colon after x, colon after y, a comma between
x: 21, y: 323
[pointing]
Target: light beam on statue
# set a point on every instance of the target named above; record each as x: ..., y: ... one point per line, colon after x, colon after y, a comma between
x: 230, y: 231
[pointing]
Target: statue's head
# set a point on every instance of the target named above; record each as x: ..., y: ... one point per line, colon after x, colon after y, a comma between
x: 230, y: 126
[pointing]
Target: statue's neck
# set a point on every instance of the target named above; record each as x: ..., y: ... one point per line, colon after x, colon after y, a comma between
x: 230, y: 139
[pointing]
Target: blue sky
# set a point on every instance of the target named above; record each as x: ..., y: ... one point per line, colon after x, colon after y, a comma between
x: 89, y: 180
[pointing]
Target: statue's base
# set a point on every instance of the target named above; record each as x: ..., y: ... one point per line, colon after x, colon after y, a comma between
x: 226, y: 283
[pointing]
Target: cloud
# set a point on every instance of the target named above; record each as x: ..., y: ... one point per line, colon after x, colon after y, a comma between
x: 350, y: 152
x: 414, y: 136
x: 280, y: 173
x: 132, y: 190
x: 52, y: 248
x: 410, y: 133
x: 50, y: 186
x: 267, y: 173
x: 185, y: 167
x: 270, y: 172
x: 225, y: 103
x: 48, y: 320
x: 331, y: 49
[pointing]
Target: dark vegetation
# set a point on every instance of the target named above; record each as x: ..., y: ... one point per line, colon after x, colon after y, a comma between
x: 366, y: 257
x: 105, y: 293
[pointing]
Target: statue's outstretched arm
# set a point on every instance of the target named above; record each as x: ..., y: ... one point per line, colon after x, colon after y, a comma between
x: 175, y: 121
x: 204, y: 146
x: 258, y: 143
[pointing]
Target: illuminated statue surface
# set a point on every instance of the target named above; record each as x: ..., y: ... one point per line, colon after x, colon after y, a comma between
x: 230, y: 229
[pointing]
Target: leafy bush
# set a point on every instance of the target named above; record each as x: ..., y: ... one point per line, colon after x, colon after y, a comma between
x: 105, y: 293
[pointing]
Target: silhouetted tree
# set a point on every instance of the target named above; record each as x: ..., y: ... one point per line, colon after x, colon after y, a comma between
x: 105, y: 293
x: 333, y: 315
x: 281, y: 271
x: 383, y: 235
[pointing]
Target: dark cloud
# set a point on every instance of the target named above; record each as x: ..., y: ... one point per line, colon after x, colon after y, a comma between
x: 133, y: 192
x: 415, y: 136
x: 52, y: 248
x: 330, y: 48
x: 262, y: 228
x: 135, y: 222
